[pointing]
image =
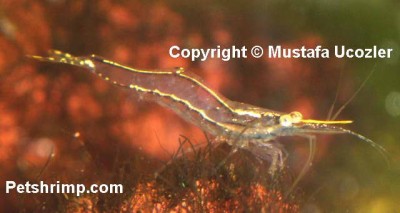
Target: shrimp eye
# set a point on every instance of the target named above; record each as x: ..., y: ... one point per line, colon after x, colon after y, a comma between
x: 296, y: 116
x: 285, y: 120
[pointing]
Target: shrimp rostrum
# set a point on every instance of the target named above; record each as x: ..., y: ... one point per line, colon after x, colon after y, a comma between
x: 240, y: 125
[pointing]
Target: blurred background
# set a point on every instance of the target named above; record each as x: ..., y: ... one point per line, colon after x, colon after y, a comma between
x: 89, y: 125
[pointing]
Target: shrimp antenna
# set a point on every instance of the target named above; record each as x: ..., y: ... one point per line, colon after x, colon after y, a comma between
x: 354, y: 95
x: 336, y: 96
x: 374, y: 145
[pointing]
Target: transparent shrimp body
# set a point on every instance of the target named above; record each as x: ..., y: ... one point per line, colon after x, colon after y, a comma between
x: 241, y: 125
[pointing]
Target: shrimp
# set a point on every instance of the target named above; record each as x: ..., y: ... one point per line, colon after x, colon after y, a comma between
x: 239, y: 124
